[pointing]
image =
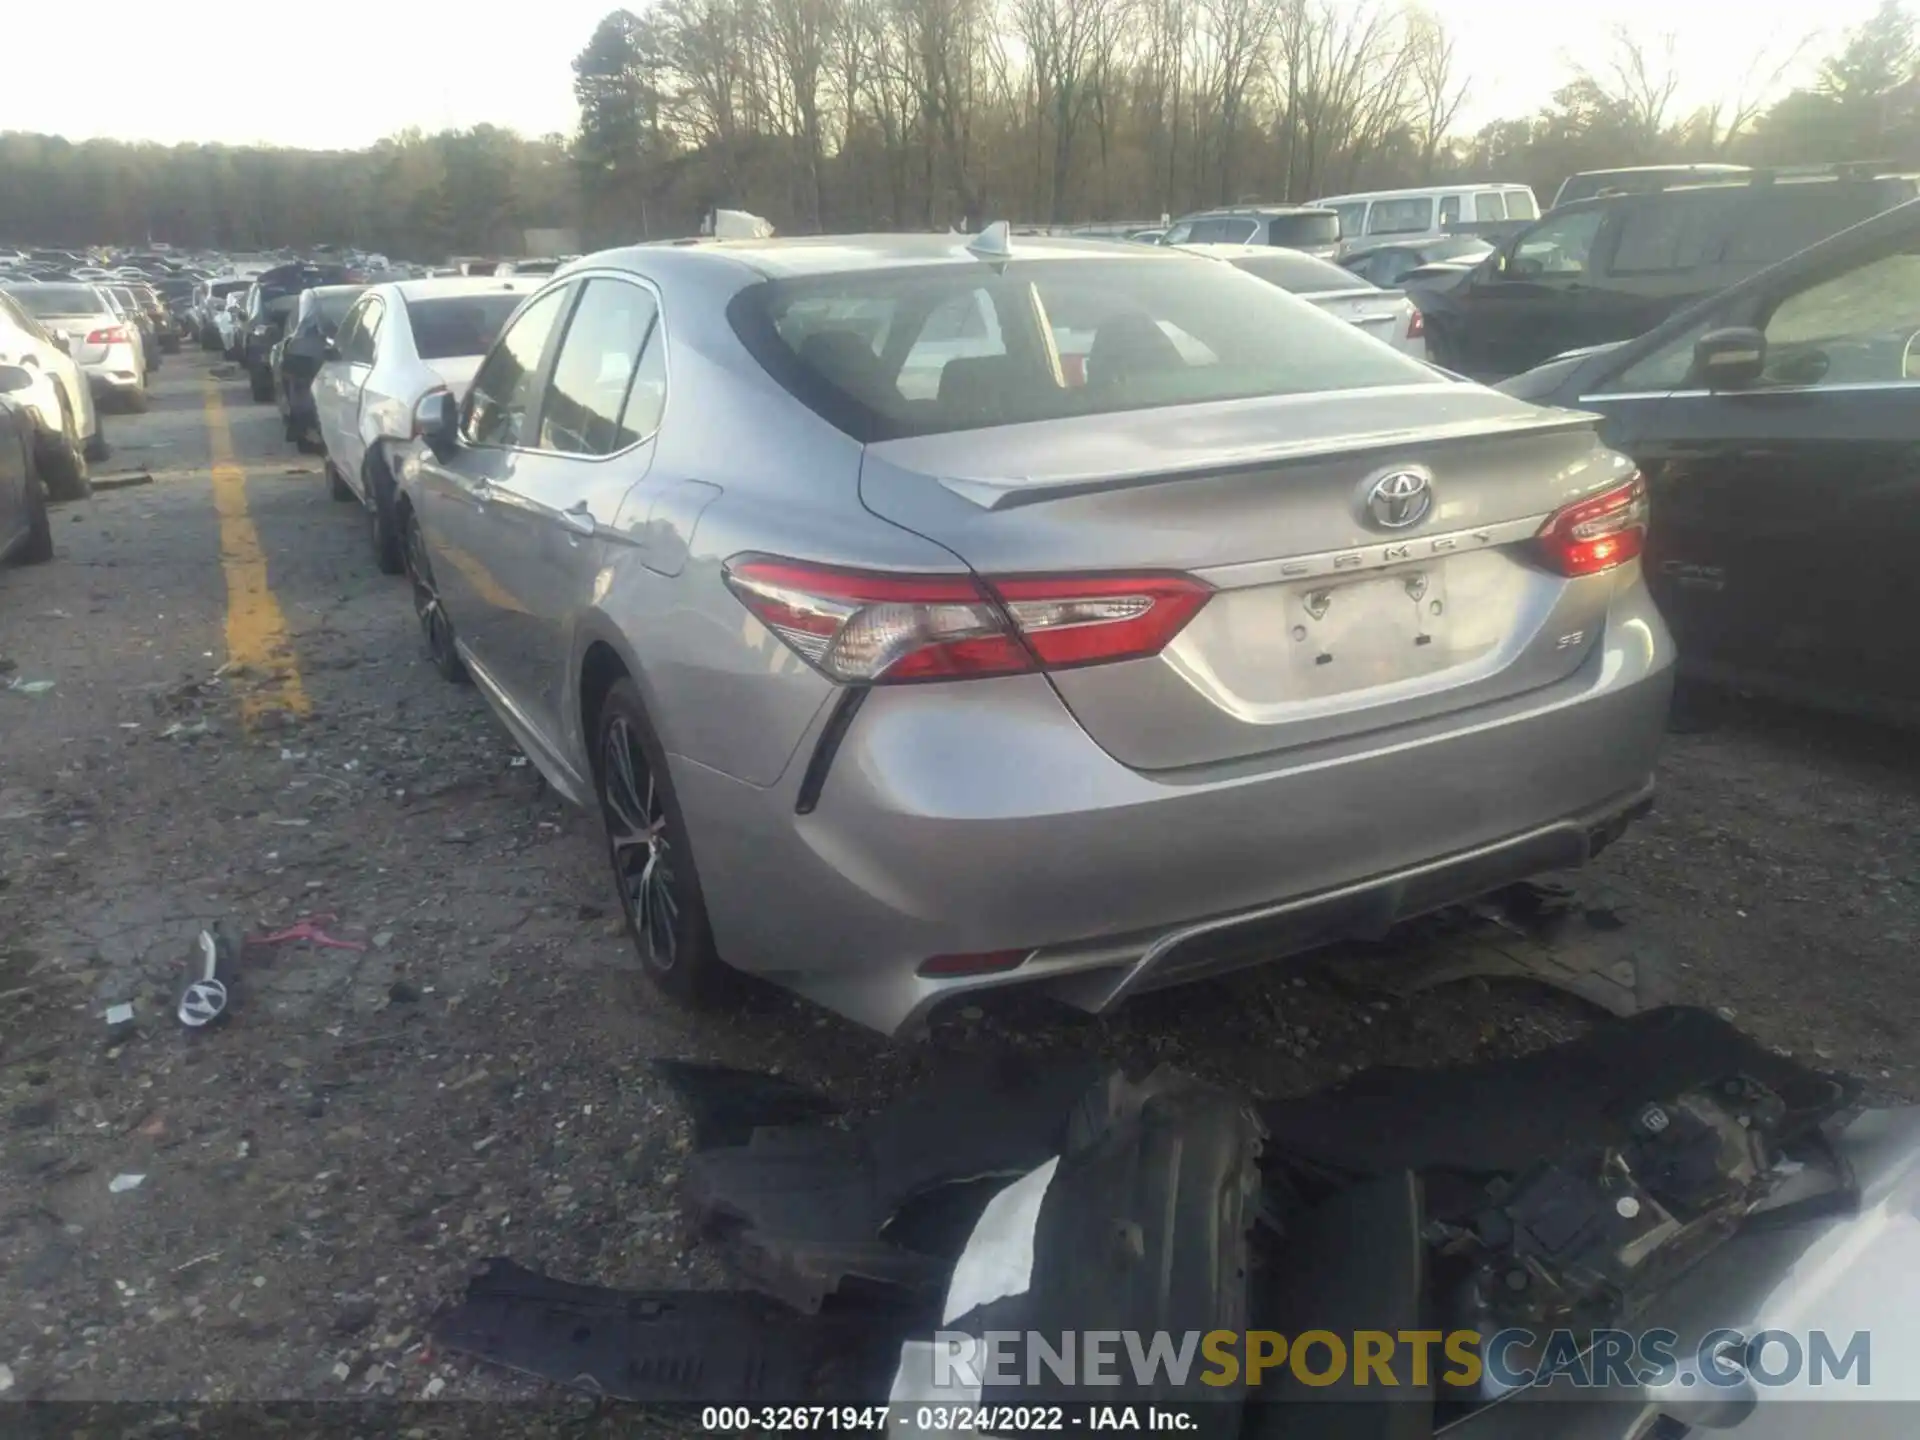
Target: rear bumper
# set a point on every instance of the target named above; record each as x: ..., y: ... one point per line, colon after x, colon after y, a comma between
x: 114, y: 375
x: 981, y: 818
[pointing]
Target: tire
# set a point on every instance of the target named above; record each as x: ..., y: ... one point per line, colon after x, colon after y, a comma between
x: 260, y: 385
x: 651, y: 854
x: 436, y: 626
x: 63, y: 463
x: 135, y: 401
x: 39, y: 547
x: 383, y: 529
x: 290, y: 428
x: 337, y: 486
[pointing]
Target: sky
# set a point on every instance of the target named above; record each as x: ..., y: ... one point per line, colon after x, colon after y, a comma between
x: 343, y: 74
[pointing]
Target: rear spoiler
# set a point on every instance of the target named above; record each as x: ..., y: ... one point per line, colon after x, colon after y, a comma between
x: 1012, y: 494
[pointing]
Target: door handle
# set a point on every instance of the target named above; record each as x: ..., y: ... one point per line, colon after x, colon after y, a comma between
x: 579, y: 519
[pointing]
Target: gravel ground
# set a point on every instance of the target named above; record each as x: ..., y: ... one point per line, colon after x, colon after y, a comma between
x: 324, y: 1170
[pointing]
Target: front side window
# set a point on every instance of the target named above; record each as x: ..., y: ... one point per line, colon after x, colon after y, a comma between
x: 1854, y: 329
x: 1126, y: 334
x: 1409, y: 216
x: 586, y: 399
x: 503, y: 390
x: 1558, y: 247
x: 1449, y: 210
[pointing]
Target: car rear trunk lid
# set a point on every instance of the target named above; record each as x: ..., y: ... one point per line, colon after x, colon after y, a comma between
x: 1326, y: 619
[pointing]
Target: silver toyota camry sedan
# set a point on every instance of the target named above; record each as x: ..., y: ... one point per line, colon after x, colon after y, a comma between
x: 926, y: 615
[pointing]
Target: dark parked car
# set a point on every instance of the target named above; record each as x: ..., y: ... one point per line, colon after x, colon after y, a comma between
x: 1388, y: 263
x: 270, y: 304
x: 1777, y: 425
x: 26, y: 537
x: 316, y: 320
x: 154, y: 306
x: 1615, y: 266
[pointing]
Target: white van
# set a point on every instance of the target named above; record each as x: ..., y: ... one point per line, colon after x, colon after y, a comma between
x: 1432, y: 210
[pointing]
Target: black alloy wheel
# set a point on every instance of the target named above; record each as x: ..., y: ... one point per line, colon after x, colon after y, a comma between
x: 435, y: 626
x: 652, y: 859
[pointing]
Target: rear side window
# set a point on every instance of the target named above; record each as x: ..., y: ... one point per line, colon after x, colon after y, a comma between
x: 1520, y: 205
x: 587, y: 396
x: 1489, y: 205
x: 1783, y: 220
x: 1085, y: 337
x: 357, y: 349
x: 1411, y: 216
x: 1223, y: 230
x: 1672, y: 233
x: 1351, y: 218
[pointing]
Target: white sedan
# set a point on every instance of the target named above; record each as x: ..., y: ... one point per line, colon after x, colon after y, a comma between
x: 1384, y: 314
x: 400, y: 342
x: 59, y: 400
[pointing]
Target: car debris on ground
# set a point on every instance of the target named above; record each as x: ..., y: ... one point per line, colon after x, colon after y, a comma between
x: 1571, y: 1188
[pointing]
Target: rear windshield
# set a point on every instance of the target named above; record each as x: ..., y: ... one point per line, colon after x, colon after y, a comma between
x: 449, y: 326
x: 227, y: 287
x: 60, y: 299
x: 1322, y: 229
x: 1299, y: 274
x: 883, y: 354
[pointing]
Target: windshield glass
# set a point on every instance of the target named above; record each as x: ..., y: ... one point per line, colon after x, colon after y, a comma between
x: 1299, y: 274
x: 888, y: 353
x: 449, y: 326
x: 59, y: 299
x: 1319, y: 229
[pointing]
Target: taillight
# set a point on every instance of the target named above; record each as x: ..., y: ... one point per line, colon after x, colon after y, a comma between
x: 864, y: 627
x: 1416, y: 325
x: 1598, y: 533
x: 111, y: 335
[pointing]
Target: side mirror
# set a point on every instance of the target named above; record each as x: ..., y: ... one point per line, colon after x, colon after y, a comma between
x: 14, y: 377
x: 1729, y: 359
x: 329, y: 350
x: 66, y: 345
x: 436, y: 419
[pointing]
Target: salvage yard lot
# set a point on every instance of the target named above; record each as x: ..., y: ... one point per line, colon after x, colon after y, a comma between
x: 323, y: 1170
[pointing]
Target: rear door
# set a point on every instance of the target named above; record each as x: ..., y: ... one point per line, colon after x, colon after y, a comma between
x: 1786, y: 514
x: 330, y: 384
x: 357, y: 362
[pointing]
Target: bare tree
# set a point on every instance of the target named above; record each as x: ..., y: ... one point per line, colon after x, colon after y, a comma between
x: 1638, y: 80
x: 1761, y: 82
x: 1439, y: 88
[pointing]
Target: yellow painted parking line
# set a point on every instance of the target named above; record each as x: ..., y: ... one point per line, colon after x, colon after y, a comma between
x: 256, y: 627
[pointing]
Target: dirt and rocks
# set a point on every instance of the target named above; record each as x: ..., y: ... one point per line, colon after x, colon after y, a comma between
x: 324, y: 1168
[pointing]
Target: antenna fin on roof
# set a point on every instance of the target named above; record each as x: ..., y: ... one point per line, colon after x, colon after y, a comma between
x: 993, y: 243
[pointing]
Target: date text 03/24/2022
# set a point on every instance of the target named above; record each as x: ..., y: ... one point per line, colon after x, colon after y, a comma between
x: 947, y: 1419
